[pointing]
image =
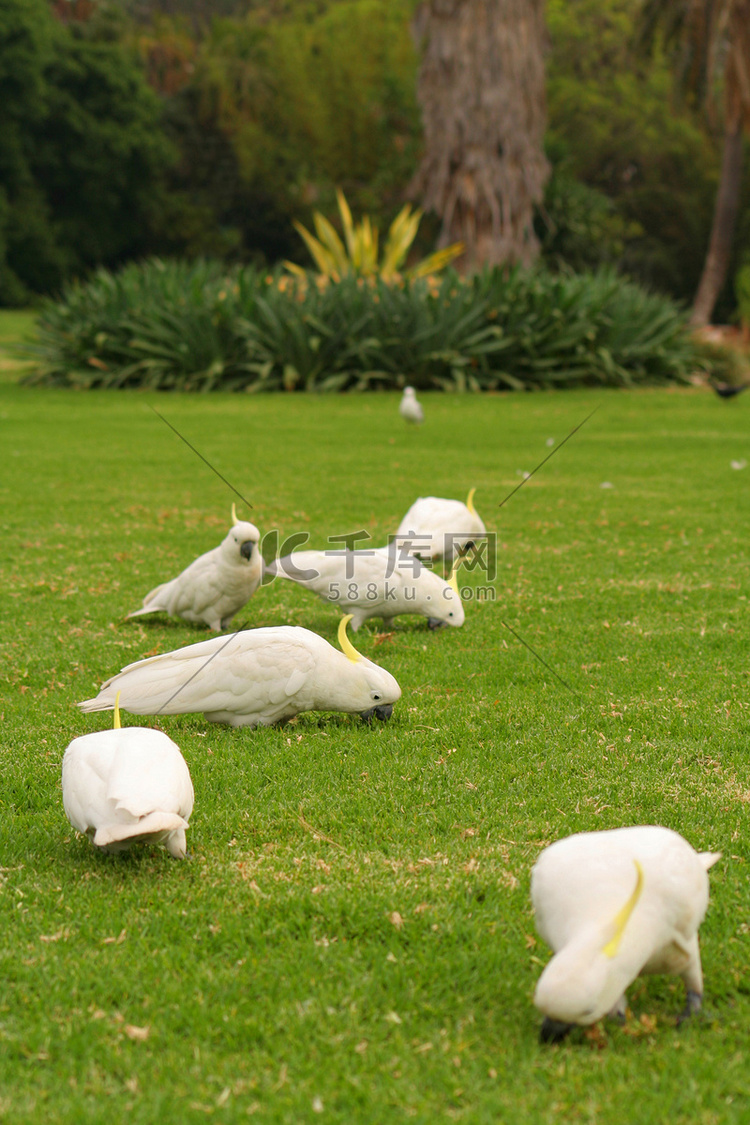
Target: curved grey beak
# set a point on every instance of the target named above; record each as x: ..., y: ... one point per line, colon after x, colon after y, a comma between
x: 246, y: 548
x: 553, y: 1031
x: 383, y: 712
x: 436, y: 623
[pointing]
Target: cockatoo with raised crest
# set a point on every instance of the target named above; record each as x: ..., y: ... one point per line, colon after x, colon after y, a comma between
x: 613, y: 905
x: 438, y: 528
x: 127, y: 785
x: 255, y: 677
x: 374, y: 583
x: 216, y: 585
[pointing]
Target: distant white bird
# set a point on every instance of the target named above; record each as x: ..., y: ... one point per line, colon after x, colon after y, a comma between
x: 124, y: 785
x: 437, y: 528
x: 613, y: 905
x: 214, y: 587
x: 374, y: 583
x: 255, y: 677
x: 409, y: 408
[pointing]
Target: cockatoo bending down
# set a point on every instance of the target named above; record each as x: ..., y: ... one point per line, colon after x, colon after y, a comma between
x: 255, y: 677
x: 613, y: 905
x: 409, y: 408
x: 124, y: 785
x: 436, y: 528
x: 214, y: 587
x: 374, y: 584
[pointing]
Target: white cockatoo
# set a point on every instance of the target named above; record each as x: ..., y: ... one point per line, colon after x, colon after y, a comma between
x: 255, y: 677
x: 374, y: 583
x: 437, y: 528
x: 409, y: 408
x: 612, y: 905
x: 125, y: 785
x: 214, y: 587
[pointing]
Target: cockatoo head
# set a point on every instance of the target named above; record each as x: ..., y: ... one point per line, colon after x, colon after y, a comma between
x: 445, y: 606
x: 370, y: 690
x: 586, y: 978
x: 243, y: 537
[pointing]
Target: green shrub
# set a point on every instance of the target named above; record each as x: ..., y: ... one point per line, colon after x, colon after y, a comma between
x: 199, y: 326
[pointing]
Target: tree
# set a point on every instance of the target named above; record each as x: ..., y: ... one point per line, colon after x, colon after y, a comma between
x: 711, y: 40
x: 614, y: 128
x: 481, y: 89
x: 82, y: 156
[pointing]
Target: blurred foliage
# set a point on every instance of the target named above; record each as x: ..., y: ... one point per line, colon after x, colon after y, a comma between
x: 275, y: 110
x: 82, y: 154
x: 616, y: 125
x: 742, y: 289
x: 180, y: 326
x: 208, y: 128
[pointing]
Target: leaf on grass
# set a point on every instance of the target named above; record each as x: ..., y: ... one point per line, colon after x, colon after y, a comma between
x: 61, y: 934
x: 137, y: 1034
x: 395, y: 919
x: 115, y: 940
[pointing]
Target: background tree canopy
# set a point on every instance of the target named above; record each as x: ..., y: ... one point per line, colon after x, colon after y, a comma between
x: 184, y: 127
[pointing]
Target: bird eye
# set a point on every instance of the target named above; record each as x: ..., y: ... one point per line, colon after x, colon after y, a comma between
x: 375, y: 696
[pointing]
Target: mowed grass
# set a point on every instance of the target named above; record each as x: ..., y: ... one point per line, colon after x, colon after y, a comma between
x: 351, y: 939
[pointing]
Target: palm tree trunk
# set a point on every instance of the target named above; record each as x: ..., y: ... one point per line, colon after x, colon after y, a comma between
x: 722, y: 231
x: 481, y: 88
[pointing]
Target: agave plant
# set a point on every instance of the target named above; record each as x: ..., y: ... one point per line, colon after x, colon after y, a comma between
x: 359, y: 252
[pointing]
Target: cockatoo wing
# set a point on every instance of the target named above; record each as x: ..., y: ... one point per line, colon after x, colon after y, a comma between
x: 149, y: 773
x: 245, y: 673
x: 317, y: 570
x: 585, y: 878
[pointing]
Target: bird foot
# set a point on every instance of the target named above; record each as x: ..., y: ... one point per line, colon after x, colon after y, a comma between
x: 693, y: 1005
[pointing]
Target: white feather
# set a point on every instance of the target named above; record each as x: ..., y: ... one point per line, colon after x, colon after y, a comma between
x: 216, y: 585
x: 124, y: 785
x: 579, y: 885
x: 250, y: 678
x: 373, y: 583
x: 409, y: 408
x: 438, y: 528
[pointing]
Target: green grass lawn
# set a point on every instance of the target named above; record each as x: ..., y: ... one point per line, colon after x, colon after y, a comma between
x: 351, y: 939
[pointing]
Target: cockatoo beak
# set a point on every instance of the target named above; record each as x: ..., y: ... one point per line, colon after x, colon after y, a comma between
x: 246, y: 549
x: 436, y: 623
x: 553, y: 1031
x: 382, y: 712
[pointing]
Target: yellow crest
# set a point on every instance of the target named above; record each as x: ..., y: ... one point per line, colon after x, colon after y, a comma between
x: 622, y: 916
x: 347, y: 647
